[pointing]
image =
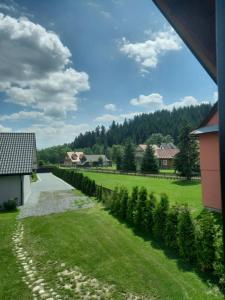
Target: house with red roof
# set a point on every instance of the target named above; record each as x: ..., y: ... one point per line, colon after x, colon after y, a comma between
x: 165, y: 154
x: 208, y: 137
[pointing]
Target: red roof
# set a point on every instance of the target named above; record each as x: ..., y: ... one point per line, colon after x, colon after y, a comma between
x: 166, y: 153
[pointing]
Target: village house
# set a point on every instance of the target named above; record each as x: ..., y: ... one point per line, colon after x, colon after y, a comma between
x: 73, y: 158
x: 165, y: 154
x: 208, y: 138
x: 79, y: 159
x: 18, y: 159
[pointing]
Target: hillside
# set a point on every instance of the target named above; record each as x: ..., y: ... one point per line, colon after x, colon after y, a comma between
x: 142, y: 126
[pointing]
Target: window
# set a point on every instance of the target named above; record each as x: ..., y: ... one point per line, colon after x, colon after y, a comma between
x: 164, y: 162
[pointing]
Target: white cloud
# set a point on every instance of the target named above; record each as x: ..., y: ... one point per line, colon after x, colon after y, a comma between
x: 215, y: 97
x: 5, y: 129
x: 155, y: 102
x: 152, y: 101
x: 34, y: 68
x: 147, y: 53
x: 110, y: 106
x: 108, y: 118
x: 55, y: 134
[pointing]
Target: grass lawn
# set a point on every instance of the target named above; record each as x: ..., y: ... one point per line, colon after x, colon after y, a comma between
x: 167, y: 171
x: 178, y: 191
x: 11, y: 284
x: 105, y: 249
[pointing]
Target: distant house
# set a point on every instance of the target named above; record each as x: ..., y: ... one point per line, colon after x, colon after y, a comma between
x: 72, y: 159
x: 208, y: 137
x: 95, y: 160
x: 79, y: 159
x: 18, y: 160
x: 165, y: 153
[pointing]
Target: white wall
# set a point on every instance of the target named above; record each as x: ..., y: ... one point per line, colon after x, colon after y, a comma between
x: 10, y: 187
x: 26, y: 187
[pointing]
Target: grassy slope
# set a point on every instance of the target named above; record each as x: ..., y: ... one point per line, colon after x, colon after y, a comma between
x: 11, y: 284
x: 108, y: 250
x: 178, y: 191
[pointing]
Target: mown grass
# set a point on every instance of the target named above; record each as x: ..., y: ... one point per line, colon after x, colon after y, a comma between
x: 178, y: 191
x: 104, y: 248
x: 11, y: 284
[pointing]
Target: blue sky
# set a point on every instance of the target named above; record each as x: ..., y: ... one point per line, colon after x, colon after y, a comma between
x: 67, y: 66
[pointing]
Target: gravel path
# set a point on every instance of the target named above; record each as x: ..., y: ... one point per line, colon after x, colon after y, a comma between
x: 52, y: 195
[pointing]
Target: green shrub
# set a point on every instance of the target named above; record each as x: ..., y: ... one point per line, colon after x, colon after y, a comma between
x: 139, y: 209
x: 171, y: 227
x: 186, y: 236
x: 10, y: 205
x: 115, y: 200
x: 160, y: 217
x: 150, y: 205
x: 132, y: 202
x: 205, y: 241
x: 123, y: 199
x: 218, y: 264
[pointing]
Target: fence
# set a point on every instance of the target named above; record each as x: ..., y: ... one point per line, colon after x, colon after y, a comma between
x: 159, y: 176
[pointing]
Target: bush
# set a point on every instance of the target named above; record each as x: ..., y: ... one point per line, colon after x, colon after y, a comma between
x: 218, y: 264
x: 186, y: 236
x: 171, y: 227
x: 123, y: 199
x: 160, y: 217
x: 10, y: 205
x: 150, y: 205
x: 205, y: 241
x: 139, y: 209
x: 132, y: 202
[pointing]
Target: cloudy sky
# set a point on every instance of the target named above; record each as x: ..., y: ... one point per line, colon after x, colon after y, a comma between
x: 67, y: 66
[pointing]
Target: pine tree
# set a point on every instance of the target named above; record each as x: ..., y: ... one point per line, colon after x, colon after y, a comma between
x: 187, y: 160
x: 129, y: 158
x: 150, y: 205
x: 171, y: 227
x: 119, y: 161
x: 160, y: 217
x: 140, y: 208
x: 149, y: 163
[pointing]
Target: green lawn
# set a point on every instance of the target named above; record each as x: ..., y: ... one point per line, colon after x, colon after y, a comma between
x: 11, y: 284
x: 178, y: 191
x: 105, y: 249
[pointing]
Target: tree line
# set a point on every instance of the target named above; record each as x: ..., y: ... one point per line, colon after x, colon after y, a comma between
x: 141, y: 127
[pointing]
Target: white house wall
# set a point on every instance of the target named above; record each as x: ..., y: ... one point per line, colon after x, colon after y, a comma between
x: 10, y: 187
x: 26, y: 187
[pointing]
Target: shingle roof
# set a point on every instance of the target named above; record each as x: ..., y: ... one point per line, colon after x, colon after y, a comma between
x: 94, y: 158
x: 166, y: 153
x: 17, y: 153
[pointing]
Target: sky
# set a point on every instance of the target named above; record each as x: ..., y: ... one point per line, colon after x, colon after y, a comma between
x: 68, y: 66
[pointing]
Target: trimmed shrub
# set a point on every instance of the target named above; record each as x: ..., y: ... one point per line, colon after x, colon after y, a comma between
x: 160, y: 217
x: 139, y: 209
x: 123, y: 199
x: 205, y: 241
x: 131, y: 204
x: 150, y: 205
x: 218, y: 265
x: 186, y: 236
x: 171, y: 227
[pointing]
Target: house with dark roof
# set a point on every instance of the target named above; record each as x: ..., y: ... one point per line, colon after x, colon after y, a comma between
x: 79, y: 159
x: 165, y: 154
x: 18, y: 159
x: 208, y: 137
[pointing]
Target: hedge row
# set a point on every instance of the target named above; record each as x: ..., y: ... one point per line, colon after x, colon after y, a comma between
x: 77, y: 180
x: 197, y: 241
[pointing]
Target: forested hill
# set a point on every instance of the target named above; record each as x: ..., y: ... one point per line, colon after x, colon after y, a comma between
x: 142, y: 126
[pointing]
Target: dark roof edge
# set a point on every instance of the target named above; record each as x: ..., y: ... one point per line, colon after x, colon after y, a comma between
x: 16, y: 174
x: 209, y: 116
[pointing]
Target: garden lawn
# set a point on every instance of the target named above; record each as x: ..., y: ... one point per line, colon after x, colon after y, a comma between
x: 11, y: 284
x: 105, y: 249
x: 178, y: 191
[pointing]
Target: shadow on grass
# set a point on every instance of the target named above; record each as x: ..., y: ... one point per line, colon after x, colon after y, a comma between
x: 182, y: 265
x: 186, y: 182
